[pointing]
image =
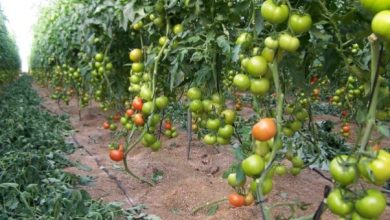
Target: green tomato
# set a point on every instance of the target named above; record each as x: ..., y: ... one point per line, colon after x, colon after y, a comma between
x: 257, y: 66
x: 196, y: 106
x: 229, y: 116
x: 271, y: 43
x: 177, y: 29
x: 343, y: 169
x: 99, y: 57
x: 222, y: 141
x: 371, y: 205
x: 297, y: 162
x: 253, y: 165
x: 242, y: 81
x: 375, y: 6
x: 147, y: 108
x: 300, y: 24
x: 262, y: 148
x: 295, y: 171
x: 137, y: 67
x: 380, y: 24
x: 149, y: 139
x: 268, y: 54
x: 232, y: 180
x: 213, y: 124
x: 288, y: 43
x: 266, y: 186
x: 194, y: 93
x: 210, y: 139
x: 146, y: 93
x: 280, y: 170
x: 259, y: 86
x: 162, y: 102
x: 162, y: 40
x: 244, y: 40
x: 273, y: 13
x: 156, y: 146
x: 226, y: 131
x: 337, y: 204
x: 296, y: 125
x: 123, y: 120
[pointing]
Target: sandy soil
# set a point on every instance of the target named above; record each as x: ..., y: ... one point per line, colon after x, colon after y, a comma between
x: 185, y: 184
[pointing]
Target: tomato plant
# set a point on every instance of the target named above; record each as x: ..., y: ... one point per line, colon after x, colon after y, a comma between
x: 278, y: 59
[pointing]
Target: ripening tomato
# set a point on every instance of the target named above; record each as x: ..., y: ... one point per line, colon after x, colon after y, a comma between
x: 264, y: 130
x: 130, y: 112
x: 138, y: 119
x: 249, y: 199
x: 236, y: 200
x: 381, y: 24
x: 116, y: 155
x: 106, y: 125
x: 273, y: 13
x: 137, y: 104
x: 136, y: 55
x: 300, y: 24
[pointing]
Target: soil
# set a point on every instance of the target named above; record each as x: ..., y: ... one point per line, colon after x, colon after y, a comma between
x: 186, y: 184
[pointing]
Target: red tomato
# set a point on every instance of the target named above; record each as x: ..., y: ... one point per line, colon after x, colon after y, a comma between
x: 116, y: 155
x: 106, y: 125
x: 168, y: 126
x: 236, y: 200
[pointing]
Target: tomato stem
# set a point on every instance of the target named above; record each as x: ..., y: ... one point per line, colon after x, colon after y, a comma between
x: 208, y: 204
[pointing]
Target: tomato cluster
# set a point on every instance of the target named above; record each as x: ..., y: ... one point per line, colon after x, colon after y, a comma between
x: 170, y: 131
x: 346, y: 170
x: 209, y: 114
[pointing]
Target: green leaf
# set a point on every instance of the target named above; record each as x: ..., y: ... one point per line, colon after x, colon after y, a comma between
x: 384, y: 130
x: 361, y: 116
x: 223, y: 43
x: 9, y: 185
x: 212, y: 210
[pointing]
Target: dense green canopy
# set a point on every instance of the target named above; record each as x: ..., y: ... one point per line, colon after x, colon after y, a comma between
x: 9, y: 57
